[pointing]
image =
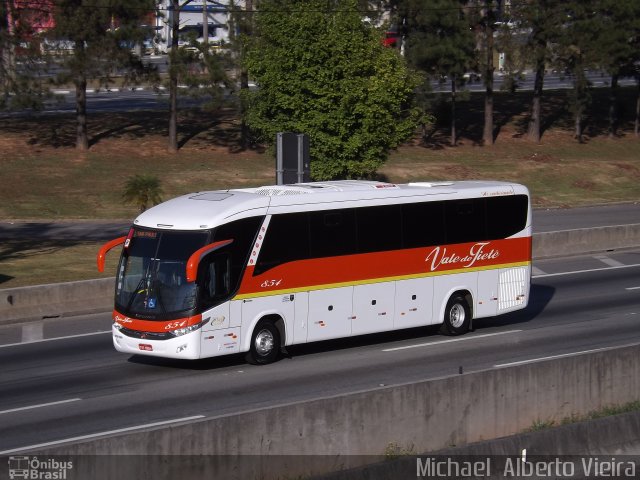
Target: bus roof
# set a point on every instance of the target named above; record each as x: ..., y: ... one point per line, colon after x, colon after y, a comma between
x: 204, y: 210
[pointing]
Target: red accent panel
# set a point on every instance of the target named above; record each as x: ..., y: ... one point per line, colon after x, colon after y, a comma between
x: 397, y: 263
x: 102, y: 253
x: 154, y: 325
x: 194, y: 259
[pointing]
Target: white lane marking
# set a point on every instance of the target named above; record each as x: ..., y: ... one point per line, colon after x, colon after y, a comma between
x: 537, y: 271
x: 55, y: 338
x: 608, y: 261
x: 577, y: 229
x: 100, y: 434
x: 460, y: 339
x: 32, y: 332
x: 632, y: 288
x: 551, y: 357
x: 42, y: 405
x: 586, y: 271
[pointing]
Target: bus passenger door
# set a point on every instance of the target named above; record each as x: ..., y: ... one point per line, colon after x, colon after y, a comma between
x: 373, y: 308
x: 330, y: 313
x: 300, y: 331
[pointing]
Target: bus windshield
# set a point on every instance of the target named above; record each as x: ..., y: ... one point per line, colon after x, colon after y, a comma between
x: 151, y: 279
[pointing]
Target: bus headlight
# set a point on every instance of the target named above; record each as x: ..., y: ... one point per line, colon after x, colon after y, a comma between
x: 178, y: 332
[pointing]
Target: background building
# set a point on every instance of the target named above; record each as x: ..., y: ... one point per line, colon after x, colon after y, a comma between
x: 192, y: 17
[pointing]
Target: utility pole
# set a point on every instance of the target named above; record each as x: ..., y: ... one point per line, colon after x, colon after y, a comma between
x: 7, y: 49
x: 489, y: 26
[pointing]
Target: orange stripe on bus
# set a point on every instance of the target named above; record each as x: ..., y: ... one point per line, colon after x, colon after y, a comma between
x: 154, y: 325
x: 366, y: 268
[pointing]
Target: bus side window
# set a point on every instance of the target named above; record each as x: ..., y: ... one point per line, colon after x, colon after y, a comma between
x: 332, y: 233
x: 217, y: 278
x: 423, y: 224
x: 379, y: 228
x: 243, y: 232
x: 286, y: 240
x: 465, y: 220
x: 506, y: 216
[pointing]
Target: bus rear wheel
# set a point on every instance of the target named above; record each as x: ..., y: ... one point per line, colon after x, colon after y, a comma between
x: 457, y: 316
x: 265, y: 344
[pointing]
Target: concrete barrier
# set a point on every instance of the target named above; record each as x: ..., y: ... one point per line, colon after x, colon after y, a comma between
x: 585, y: 240
x: 568, y: 448
x: 419, y: 417
x: 56, y: 300
x: 42, y: 301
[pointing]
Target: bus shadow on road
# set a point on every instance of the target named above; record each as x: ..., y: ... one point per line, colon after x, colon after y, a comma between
x: 214, y: 363
x: 539, y: 298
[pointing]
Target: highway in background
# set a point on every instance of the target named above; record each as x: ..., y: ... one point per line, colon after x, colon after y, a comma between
x: 552, y: 81
x: 79, y: 386
x: 148, y: 98
x: 543, y: 221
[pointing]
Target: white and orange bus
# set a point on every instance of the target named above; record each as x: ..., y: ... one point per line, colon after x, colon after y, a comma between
x: 254, y: 270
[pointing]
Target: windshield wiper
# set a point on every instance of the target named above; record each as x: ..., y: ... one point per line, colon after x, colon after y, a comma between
x: 135, y: 292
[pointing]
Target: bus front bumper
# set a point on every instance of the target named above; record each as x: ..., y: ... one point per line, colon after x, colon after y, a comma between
x: 184, y: 347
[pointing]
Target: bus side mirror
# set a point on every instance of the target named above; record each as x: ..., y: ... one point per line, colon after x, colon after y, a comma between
x: 196, y: 257
x: 102, y: 253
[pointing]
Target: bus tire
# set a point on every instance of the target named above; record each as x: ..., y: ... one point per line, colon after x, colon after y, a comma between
x: 457, y: 316
x: 265, y: 343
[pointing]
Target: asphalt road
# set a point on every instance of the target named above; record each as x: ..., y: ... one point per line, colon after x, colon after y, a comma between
x: 585, y: 217
x: 543, y: 221
x: 59, y: 389
x: 146, y: 98
x: 552, y: 81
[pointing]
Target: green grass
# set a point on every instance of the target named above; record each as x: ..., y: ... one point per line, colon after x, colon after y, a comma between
x: 606, y: 411
x: 25, y: 263
x: 558, y: 175
x: 603, y: 412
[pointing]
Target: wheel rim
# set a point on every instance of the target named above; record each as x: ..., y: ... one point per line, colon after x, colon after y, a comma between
x: 264, y: 342
x: 457, y: 316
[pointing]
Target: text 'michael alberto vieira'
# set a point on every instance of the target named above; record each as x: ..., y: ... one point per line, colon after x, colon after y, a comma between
x: 521, y: 467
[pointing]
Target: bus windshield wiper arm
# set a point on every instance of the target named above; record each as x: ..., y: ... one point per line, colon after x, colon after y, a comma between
x: 135, y: 292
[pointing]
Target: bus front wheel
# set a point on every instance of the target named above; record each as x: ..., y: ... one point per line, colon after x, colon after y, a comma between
x: 457, y: 316
x: 265, y: 344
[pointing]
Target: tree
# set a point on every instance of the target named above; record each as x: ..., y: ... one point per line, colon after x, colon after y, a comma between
x: 487, y: 25
x: 197, y: 66
x: 439, y: 42
x: 240, y: 32
x: 575, y: 51
x: 101, y: 33
x: 539, y: 43
x: 321, y: 70
x: 636, y: 128
x: 22, y: 84
x: 618, y: 46
x: 8, y: 40
x: 489, y: 28
x: 174, y: 66
x: 142, y: 190
x: 540, y: 21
